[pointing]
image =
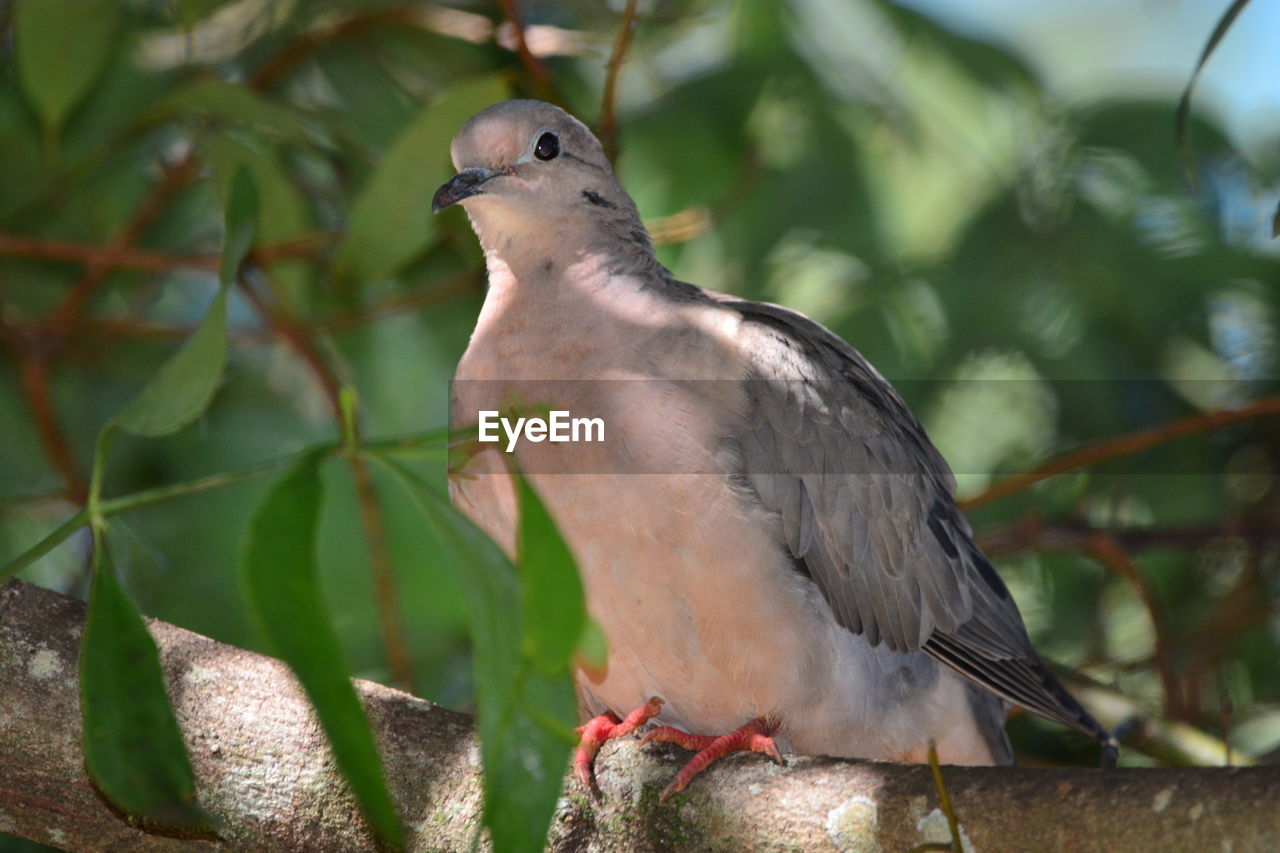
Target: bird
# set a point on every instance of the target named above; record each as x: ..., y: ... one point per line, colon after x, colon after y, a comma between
x: 767, y: 537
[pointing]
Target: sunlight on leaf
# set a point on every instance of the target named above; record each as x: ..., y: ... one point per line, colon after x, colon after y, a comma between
x: 525, y: 716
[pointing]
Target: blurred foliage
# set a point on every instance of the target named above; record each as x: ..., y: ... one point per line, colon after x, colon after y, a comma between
x: 1033, y: 275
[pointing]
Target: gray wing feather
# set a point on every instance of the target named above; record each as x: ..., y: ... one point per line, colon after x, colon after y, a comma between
x: 866, y: 508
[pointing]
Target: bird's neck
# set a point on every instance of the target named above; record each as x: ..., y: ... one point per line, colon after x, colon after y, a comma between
x: 532, y: 243
x: 567, y: 321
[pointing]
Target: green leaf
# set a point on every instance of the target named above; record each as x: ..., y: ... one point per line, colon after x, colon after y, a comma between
x: 132, y: 745
x: 241, y: 225
x: 525, y: 716
x: 279, y: 567
x: 183, y: 387
x: 594, y: 646
x: 552, y: 609
x: 285, y: 213
x: 232, y: 103
x: 488, y: 581
x: 190, y: 12
x: 61, y: 47
x: 1182, y: 118
x: 391, y: 220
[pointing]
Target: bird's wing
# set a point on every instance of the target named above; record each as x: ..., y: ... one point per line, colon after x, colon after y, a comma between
x: 866, y: 506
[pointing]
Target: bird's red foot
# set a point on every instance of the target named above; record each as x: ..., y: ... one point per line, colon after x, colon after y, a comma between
x: 755, y: 736
x: 595, y: 732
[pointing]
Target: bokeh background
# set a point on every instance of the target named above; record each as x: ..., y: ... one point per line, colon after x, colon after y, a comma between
x: 983, y: 197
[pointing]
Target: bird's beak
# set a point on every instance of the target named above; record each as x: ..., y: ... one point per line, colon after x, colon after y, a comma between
x: 465, y: 184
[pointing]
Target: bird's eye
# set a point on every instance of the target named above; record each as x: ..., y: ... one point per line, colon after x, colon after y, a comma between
x: 548, y: 147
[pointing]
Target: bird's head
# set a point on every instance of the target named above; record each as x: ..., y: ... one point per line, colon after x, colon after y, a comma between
x: 529, y: 168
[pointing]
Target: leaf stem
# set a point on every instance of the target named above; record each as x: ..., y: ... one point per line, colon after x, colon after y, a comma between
x: 45, y: 545
x: 149, y: 497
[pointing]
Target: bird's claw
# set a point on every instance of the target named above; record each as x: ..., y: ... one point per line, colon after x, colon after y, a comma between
x: 597, y: 731
x: 755, y: 736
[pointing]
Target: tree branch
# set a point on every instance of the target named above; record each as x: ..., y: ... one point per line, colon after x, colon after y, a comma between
x: 1107, y: 551
x: 62, y: 321
x: 608, y: 131
x: 123, y: 256
x: 1124, y: 445
x: 264, y: 770
x: 543, y: 81
x: 33, y: 372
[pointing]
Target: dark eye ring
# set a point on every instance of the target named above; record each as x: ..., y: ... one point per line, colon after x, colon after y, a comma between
x: 547, y: 147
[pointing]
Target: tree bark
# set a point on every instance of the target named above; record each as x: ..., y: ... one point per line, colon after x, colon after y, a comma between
x: 264, y: 769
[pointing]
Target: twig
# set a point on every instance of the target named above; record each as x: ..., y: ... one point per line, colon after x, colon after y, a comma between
x: 390, y: 623
x: 1104, y: 547
x: 390, y: 626
x: 543, y: 81
x: 608, y: 131
x: 432, y: 17
x: 1031, y: 532
x: 1125, y: 445
x: 34, y: 374
x: 62, y: 321
x: 283, y: 61
x: 122, y: 256
x: 411, y: 300
x: 1108, y: 552
x: 301, y: 246
x: 953, y: 822
x: 1174, y: 743
x: 1225, y: 709
x: 98, y: 256
x: 1245, y: 606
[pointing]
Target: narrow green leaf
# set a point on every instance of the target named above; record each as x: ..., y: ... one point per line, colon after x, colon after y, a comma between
x: 391, y: 220
x: 241, y: 219
x: 62, y: 47
x: 285, y: 211
x: 284, y: 594
x: 132, y: 745
x: 183, y: 387
x: 552, y: 609
x: 488, y: 581
x: 525, y: 756
x: 1182, y: 118
x: 525, y: 716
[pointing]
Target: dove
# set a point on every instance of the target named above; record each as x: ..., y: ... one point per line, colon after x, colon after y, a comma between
x: 765, y: 534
